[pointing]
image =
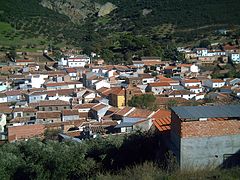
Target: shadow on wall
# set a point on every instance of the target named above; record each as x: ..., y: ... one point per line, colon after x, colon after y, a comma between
x: 231, y: 160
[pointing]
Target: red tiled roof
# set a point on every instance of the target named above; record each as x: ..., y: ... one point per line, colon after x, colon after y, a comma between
x: 184, y: 65
x: 170, y: 67
x: 158, y: 84
x: 56, y: 84
x: 53, y: 103
x: 217, y: 80
x: 192, y: 81
x: 13, y: 93
x: 25, y: 132
x: 48, y: 114
x: 70, y: 112
x: 162, y: 120
x: 98, y: 107
x: 71, y: 70
x: 84, y: 106
x: 123, y: 111
x: 140, y: 113
x: 118, y: 91
x: 28, y: 109
x: 19, y: 120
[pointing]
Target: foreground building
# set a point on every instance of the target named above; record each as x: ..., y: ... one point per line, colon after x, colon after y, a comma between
x: 205, y: 136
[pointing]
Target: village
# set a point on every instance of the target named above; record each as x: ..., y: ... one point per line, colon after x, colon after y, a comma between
x: 81, y: 97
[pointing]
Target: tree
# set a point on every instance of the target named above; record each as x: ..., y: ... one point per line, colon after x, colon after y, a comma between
x: 204, y: 44
x: 12, y: 54
x: 145, y: 101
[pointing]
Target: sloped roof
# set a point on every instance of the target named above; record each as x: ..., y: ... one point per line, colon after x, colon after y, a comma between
x: 196, y: 112
x: 48, y: 114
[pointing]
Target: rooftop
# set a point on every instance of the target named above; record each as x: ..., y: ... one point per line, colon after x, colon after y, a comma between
x: 196, y: 112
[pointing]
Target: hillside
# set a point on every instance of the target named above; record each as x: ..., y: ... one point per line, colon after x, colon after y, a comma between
x: 117, y: 29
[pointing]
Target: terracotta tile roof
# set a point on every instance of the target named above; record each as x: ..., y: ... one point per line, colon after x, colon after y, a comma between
x: 145, y: 75
x: 13, y: 93
x: 76, y: 123
x: 140, y: 113
x: 84, y: 106
x: 159, y: 84
x: 192, y: 81
x: 60, y: 92
x: 35, y: 90
x: 123, y: 111
x: 163, y: 125
x: 55, y: 73
x: 25, y: 132
x: 6, y: 110
x: 99, y: 107
x: 102, y: 89
x: 217, y: 80
x: 48, y: 114
x: 180, y: 92
x: 229, y: 47
x: 118, y: 91
x: 70, y: 112
x: 53, y: 103
x: 73, y: 133
x: 28, y: 109
x: 170, y: 67
x: 71, y: 70
x: 159, y: 114
x: 56, y: 84
x: 16, y: 76
x: 104, y: 123
x: 20, y: 120
x: 151, y: 62
x: 33, y: 105
x: 113, y: 109
x: 83, y: 115
x: 162, y: 120
x: 184, y: 65
x: 106, y: 92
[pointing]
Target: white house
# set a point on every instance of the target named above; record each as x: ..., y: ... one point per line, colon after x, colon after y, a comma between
x: 235, y: 57
x: 36, y: 96
x: 37, y: 81
x: 2, y: 122
x: 199, y: 96
x: 75, y: 61
x: 201, y: 51
x: 182, y: 94
x: 3, y: 98
x: 146, y: 78
x: 101, y: 83
x: 214, y: 83
x: 191, y: 82
x: 158, y: 87
x: 196, y: 89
